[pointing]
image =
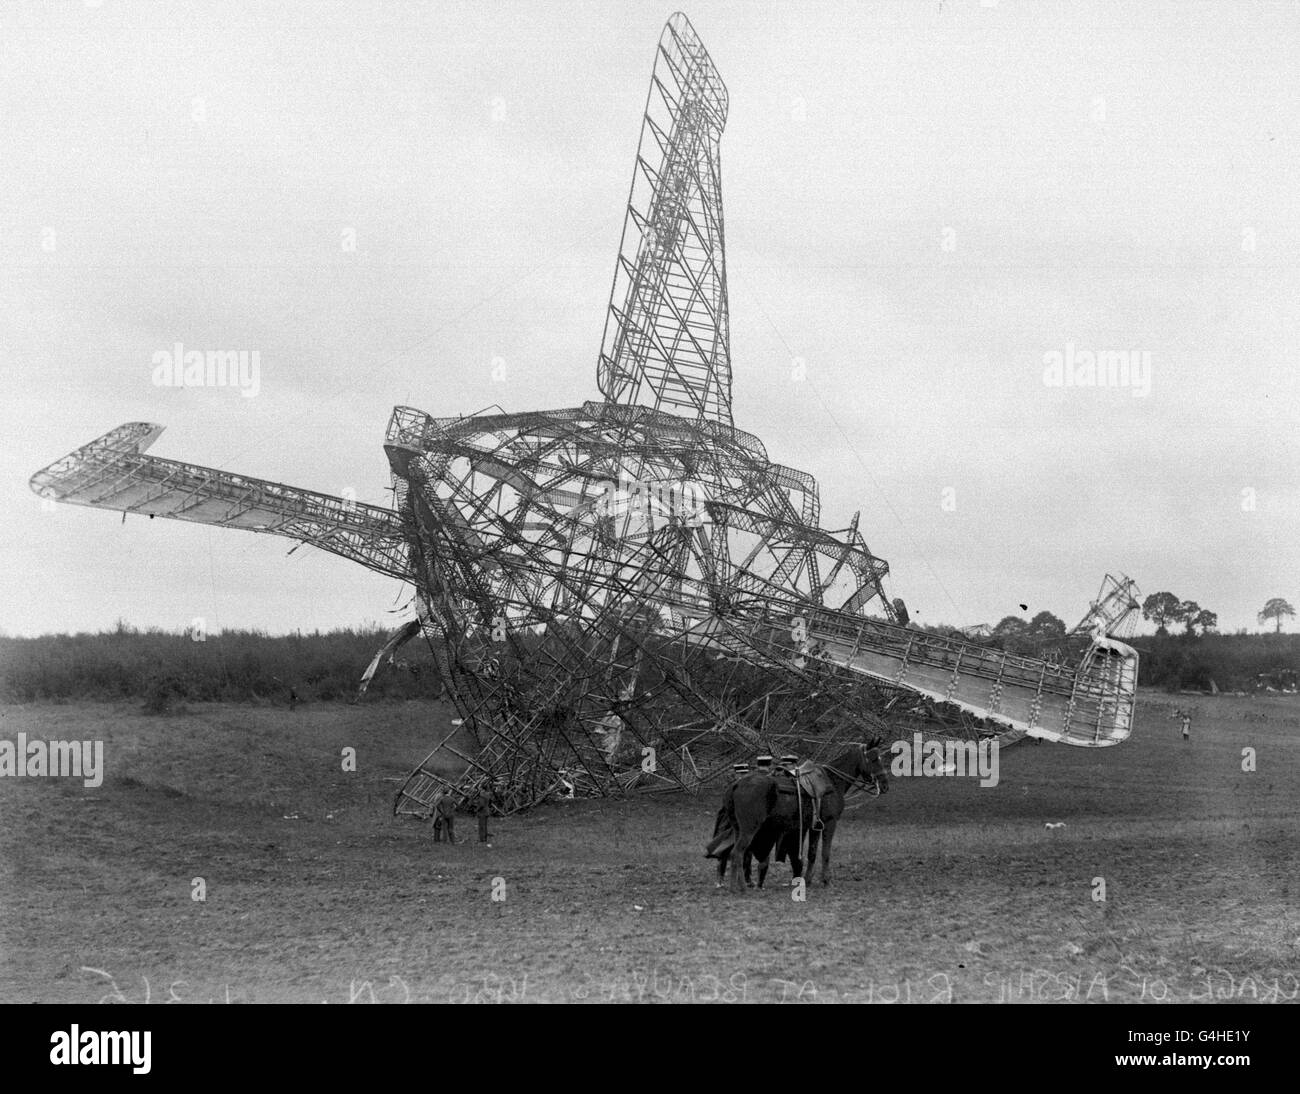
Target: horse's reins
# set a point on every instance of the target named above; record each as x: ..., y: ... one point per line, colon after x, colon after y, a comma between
x: 850, y: 780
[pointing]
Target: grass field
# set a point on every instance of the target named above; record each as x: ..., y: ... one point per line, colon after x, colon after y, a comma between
x: 943, y: 891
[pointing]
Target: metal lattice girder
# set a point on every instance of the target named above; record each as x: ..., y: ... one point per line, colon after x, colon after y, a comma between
x: 514, y: 499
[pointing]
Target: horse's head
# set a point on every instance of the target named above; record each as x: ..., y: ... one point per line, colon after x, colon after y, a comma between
x: 873, y: 767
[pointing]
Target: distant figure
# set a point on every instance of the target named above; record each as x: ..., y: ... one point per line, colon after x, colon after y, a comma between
x: 443, y: 811
x: 1187, y: 726
x: 481, y: 803
x: 293, y: 699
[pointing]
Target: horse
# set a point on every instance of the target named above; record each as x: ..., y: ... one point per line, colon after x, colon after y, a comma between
x: 724, y: 838
x: 764, y: 813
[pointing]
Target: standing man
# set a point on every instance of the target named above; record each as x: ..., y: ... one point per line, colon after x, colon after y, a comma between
x: 443, y: 812
x: 482, y: 806
x: 723, y: 836
x: 1187, y: 725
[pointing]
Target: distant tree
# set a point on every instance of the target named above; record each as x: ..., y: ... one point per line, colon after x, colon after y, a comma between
x: 1008, y: 626
x: 1047, y: 623
x: 1009, y: 633
x: 1206, y: 620
x: 1276, y: 609
x: 1188, y: 610
x: 1161, y: 608
x: 1036, y: 637
x: 1045, y: 628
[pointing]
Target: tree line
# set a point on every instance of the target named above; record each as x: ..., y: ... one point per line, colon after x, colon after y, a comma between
x: 1165, y: 608
x: 163, y: 668
x: 1185, y: 652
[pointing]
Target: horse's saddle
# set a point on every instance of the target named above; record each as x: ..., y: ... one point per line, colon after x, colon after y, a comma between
x: 808, y: 777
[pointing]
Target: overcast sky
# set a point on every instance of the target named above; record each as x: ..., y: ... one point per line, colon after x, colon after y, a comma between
x: 923, y: 203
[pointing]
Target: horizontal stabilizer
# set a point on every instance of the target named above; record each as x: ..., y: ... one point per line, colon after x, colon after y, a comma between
x: 112, y: 472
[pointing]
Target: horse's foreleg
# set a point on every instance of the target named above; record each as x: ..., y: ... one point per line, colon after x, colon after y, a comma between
x: 722, y: 867
x: 813, y: 836
x: 827, y: 836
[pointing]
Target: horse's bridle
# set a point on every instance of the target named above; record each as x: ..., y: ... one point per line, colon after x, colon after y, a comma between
x: 873, y: 790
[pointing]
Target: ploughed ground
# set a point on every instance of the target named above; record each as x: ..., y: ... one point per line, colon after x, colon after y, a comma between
x: 942, y: 890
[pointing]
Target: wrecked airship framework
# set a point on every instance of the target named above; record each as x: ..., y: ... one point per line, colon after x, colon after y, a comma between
x: 631, y: 593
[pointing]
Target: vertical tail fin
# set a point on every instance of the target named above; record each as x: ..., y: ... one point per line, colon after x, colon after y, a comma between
x: 666, y: 343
